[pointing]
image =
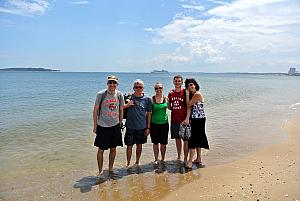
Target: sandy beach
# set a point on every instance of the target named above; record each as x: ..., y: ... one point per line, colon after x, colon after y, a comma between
x: 270, y: 174
x: 47, y: 156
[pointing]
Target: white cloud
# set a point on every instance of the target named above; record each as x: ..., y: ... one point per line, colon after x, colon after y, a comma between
x: 257, y: 30
x: 25, y: 7
x: 149, y: 29
x: 193, y: 7
x: 79, y: 2
x: 170, y: 58
x: 217, y: 2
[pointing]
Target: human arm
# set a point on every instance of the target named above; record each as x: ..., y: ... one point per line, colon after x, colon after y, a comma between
x: 186, y: 121
x: 169, y: 98
x: 196, y: 97
x: 148, y: 119
x: 129, y: 103
x: 95, y: 117
x: 148, y: 116
x: 121, y: 113
x: 121, y: 109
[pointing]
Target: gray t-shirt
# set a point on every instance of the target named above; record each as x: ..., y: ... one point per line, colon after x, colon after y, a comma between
x: 109, y: 108
x: 136, y: 116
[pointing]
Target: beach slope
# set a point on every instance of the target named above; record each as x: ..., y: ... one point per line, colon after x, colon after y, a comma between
x: 270, y: 174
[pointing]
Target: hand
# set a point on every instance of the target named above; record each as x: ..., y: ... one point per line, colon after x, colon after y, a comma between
x: 185, y: 122
x: 147, y: 131
x: 95, y: 130
x: 130, y: 103
x: 170, y: 92
x: 122, y: 125
x: 187, y: 92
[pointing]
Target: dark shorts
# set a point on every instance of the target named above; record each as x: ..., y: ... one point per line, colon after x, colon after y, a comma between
x: 135, y: 137
x: 108, y: 137
x: 159, y: 133
x: 175, y: 131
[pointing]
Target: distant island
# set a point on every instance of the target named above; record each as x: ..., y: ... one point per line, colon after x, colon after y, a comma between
x: 160, y: 71
x: 27, y: 69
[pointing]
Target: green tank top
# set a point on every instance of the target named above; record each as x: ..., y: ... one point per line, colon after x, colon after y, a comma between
x: 159, y: 112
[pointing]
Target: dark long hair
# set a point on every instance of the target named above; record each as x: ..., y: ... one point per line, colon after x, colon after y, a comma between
x: 191, y: 80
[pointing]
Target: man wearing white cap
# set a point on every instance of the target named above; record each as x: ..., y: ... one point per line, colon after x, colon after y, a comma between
x: 108, y: 116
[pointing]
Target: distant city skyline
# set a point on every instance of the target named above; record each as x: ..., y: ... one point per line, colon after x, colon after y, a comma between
x: 141, y: 36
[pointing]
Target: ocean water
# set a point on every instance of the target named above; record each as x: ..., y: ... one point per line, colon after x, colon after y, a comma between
x: 46, y: 131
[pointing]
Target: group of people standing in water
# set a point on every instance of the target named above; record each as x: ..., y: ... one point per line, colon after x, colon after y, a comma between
x: 148, y: 116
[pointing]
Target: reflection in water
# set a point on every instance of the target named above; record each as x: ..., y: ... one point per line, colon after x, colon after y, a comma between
x: 145, y: 182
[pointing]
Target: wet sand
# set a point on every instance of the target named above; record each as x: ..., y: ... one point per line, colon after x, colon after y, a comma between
x: 270, y: 174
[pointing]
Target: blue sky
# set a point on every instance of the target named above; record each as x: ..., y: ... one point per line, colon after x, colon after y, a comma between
x: 139, y: 35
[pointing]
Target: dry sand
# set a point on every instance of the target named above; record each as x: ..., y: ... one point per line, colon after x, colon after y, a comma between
x: 270, y: 174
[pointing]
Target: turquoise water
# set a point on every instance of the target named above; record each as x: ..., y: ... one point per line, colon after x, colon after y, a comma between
x: 46, y: 123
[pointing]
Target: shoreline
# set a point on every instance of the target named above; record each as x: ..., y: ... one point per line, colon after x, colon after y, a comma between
x: 272, y: 173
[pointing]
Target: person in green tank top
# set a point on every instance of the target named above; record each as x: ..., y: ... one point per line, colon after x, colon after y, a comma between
x: 159, y: 123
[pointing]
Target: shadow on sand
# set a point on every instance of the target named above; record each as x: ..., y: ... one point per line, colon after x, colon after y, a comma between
x: 85, y: 184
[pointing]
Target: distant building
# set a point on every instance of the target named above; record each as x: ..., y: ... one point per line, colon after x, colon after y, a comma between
x: 293, y: 71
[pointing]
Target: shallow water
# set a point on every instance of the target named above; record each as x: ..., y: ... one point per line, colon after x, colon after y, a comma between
x: 46, y: 131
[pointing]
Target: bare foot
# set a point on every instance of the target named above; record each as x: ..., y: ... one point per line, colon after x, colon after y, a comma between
x: 101, y: 175
x: 189, y: 165
x: 197, y: 162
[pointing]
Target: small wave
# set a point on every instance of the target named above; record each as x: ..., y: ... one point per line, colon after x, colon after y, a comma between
x: 294, y: 106
x: 293, y: 113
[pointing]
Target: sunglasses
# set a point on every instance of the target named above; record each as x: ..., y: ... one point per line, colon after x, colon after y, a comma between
x: 138, y: 87
x: 191, y: 84
x: 156, y: 88
x: 111, y: 82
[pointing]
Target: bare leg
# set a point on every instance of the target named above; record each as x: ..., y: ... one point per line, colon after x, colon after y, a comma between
x: 100, y: 160
x: 179, y: 147
x: 138, y: 153
x: 128, y: 154
x: 185, y: 151
x: 112, y: 156
x: 198, y: 159
x: 163, y: 149
x: 155, y: 151
x: 190, y: 162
